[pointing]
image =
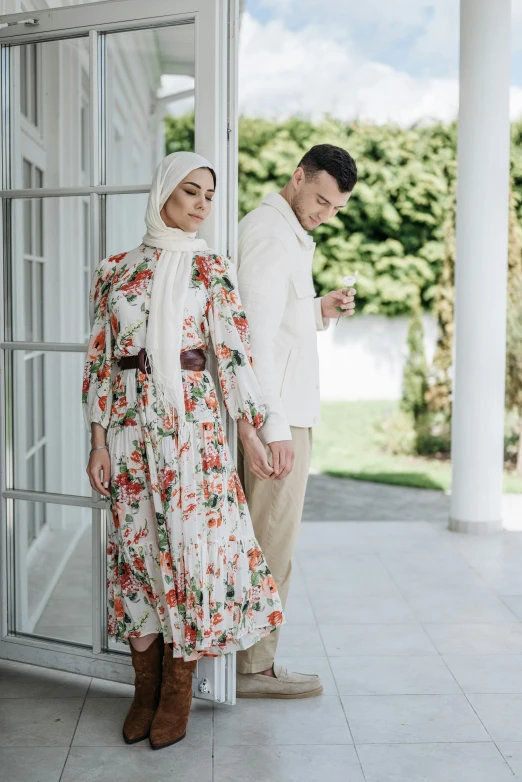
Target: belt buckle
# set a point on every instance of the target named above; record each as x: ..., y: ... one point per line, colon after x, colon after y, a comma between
x: 143, y: 362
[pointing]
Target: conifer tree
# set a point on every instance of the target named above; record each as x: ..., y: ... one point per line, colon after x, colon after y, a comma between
x: 414, y: 382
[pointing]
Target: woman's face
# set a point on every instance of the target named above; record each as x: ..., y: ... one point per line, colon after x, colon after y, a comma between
x: 191, y: 201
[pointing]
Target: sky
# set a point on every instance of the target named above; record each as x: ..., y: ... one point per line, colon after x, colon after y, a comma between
x: 375, y: 60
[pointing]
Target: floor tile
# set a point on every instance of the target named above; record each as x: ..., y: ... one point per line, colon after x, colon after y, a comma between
x: 20, y: 680
x: 418, y: 560
x: 415, y: 581
x: 501, y: 715
x: 318, y: 665
x: 103, y: 688
x: 138, y: 762
x: 504, y: 579
x: 346, y: 610
x: 401, y: 719
x: 375, y: 639
x: 393, y: 675
x: 33, y: 764
x: 476, y: 638
x: 495, y: 673
x: 512, y: 751
x: 298, y: 610
x: 460, y: 606
x: 287, y: 764
x: 360, y: 582
x: 433, y: 763
x: 38, y: 722
x: 329, y: 563
x: 328, y: 536
x: 317, y: 720
x: 102, y: 720
x: 369, y: 586
x: 514, y: 603
x: 300, y: 641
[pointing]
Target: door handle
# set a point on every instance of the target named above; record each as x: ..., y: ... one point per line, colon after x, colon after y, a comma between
x: 27, y: 22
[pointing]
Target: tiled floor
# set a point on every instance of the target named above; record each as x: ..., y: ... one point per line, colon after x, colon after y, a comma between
x: 416, y: 632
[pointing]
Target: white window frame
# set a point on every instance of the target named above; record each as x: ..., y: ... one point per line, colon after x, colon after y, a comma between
x: 216, y: 26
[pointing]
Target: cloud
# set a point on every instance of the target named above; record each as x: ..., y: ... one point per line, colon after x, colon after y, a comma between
x: 420, y: 37
x: 285, y: 72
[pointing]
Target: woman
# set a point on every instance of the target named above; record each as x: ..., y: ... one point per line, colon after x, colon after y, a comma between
x: 186, y: 576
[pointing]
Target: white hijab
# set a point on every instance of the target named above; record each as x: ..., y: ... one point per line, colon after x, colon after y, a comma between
x: 171, y: 280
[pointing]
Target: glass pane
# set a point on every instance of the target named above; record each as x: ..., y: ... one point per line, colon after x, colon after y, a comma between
x: 38, y: 269
x: 29, y: 83
x: 27, y: 209
x: 47, y: 412
x: 56, y: 89
x: 39, y: 396
x: 38, y: 216
x: 23, y: 80
x: 53, y: 575
x: 162, y: 84
x: 33, y: 83
x: 28, y: 299
x: 38, y: 459
x: 57, y: 285
x: 40, y: 519
x: 27, y: 174
x: 84, y: 129
x: 31, y: 526
x: 28, y: 227
x: 125, y: 221
x: 38, y: 227
x: 85, y: 243
x: 29, y: 411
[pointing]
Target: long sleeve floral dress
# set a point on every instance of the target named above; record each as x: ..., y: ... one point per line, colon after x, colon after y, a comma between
x: 182, y: 558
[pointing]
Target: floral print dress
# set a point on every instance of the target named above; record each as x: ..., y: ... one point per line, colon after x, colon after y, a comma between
x: 182, y: 558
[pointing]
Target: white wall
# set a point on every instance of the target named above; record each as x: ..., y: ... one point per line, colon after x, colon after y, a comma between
x: 363, y: 357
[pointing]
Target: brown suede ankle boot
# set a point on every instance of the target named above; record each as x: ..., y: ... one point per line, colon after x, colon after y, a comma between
x: 147, y: 687
x: 170, y: 721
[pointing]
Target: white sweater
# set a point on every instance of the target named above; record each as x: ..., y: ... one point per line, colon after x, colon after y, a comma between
x: 277, y: 292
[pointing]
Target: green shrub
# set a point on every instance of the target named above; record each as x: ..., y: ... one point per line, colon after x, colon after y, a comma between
x: 414, y: 381
x: 433, y: 435
x: 394, y: 433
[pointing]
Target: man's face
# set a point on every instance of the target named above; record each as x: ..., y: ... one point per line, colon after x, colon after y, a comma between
x: 316, y: 200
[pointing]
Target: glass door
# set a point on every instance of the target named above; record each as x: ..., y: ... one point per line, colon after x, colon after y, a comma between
x: 84, y: 94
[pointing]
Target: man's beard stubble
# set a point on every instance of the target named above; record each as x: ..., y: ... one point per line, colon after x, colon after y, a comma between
x: 297, y: 206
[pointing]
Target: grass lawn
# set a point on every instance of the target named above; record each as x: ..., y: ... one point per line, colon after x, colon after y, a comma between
x: 345, y: 445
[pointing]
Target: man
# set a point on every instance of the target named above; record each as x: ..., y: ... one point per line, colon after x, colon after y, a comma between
x: 277, y: 292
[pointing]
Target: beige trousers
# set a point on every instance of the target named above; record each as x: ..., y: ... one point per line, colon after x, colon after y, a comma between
x: 276, y: 508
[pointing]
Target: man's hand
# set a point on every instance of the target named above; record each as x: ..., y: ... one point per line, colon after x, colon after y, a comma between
x: 283, y: 457
x: 254, y: 451
x: 338, y: 299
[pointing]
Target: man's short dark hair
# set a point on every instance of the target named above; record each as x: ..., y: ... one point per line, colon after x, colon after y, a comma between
x: 335, y: 161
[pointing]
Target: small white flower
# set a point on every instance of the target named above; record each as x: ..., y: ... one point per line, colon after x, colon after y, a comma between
x: 351, y: 280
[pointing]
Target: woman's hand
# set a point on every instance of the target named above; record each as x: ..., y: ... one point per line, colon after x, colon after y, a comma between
x: 254, y: 451
x: 99, y: 471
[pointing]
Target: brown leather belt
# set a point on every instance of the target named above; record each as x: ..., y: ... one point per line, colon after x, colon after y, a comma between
x: 189, y: 359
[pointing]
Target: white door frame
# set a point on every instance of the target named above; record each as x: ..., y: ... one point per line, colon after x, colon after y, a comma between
x: 215, y: 29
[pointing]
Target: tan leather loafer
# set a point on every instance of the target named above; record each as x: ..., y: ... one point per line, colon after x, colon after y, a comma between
x: 285, y: 684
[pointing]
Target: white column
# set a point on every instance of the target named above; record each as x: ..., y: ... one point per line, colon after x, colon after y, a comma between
x: 481, y: 267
